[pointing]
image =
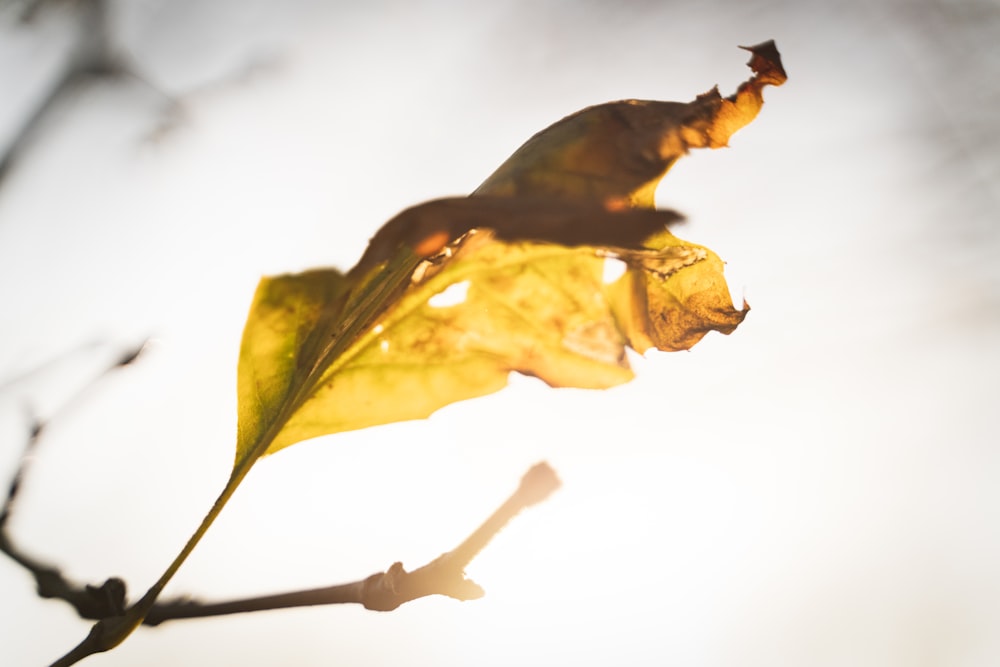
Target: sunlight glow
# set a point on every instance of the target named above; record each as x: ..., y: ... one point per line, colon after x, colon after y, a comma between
x: 453, y: 295
x: 614, y: 269
x: 617, y: 541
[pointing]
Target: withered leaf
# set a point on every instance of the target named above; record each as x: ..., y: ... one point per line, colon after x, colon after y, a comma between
x: 325, y: 352
x: 616, y: 153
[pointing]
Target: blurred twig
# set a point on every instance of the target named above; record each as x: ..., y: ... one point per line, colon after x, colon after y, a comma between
x: 95, y: 55
x: 92, y: 55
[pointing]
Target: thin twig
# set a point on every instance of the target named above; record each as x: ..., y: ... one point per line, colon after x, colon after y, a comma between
x: 91, y: 602
x: 385, y: 591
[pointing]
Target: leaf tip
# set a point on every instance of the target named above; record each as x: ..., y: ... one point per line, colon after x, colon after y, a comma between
x: 765, y: 61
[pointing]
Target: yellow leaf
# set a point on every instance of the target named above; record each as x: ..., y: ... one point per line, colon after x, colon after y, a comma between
x: 452, y: 295
x: 281, y: 341
x: 528, y: 304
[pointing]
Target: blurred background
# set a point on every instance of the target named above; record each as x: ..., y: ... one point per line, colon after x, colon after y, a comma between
x: 819, y: 488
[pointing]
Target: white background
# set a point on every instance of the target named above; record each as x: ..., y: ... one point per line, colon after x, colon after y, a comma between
x: 819, y: 488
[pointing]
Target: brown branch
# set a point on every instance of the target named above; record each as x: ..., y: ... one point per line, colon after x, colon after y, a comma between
x: 385, y: 591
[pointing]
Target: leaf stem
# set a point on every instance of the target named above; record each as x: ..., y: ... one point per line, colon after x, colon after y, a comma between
x: 108, y: 633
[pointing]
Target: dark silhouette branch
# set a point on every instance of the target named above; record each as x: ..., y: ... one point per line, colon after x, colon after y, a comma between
x: 92, y: 602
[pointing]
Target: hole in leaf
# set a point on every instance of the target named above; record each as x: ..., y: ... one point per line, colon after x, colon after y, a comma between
x: 614, y: 269
x: 452, y: 295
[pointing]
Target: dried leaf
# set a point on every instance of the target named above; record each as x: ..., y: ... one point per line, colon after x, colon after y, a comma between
x: 616, y: 153
x: 325, y: 352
